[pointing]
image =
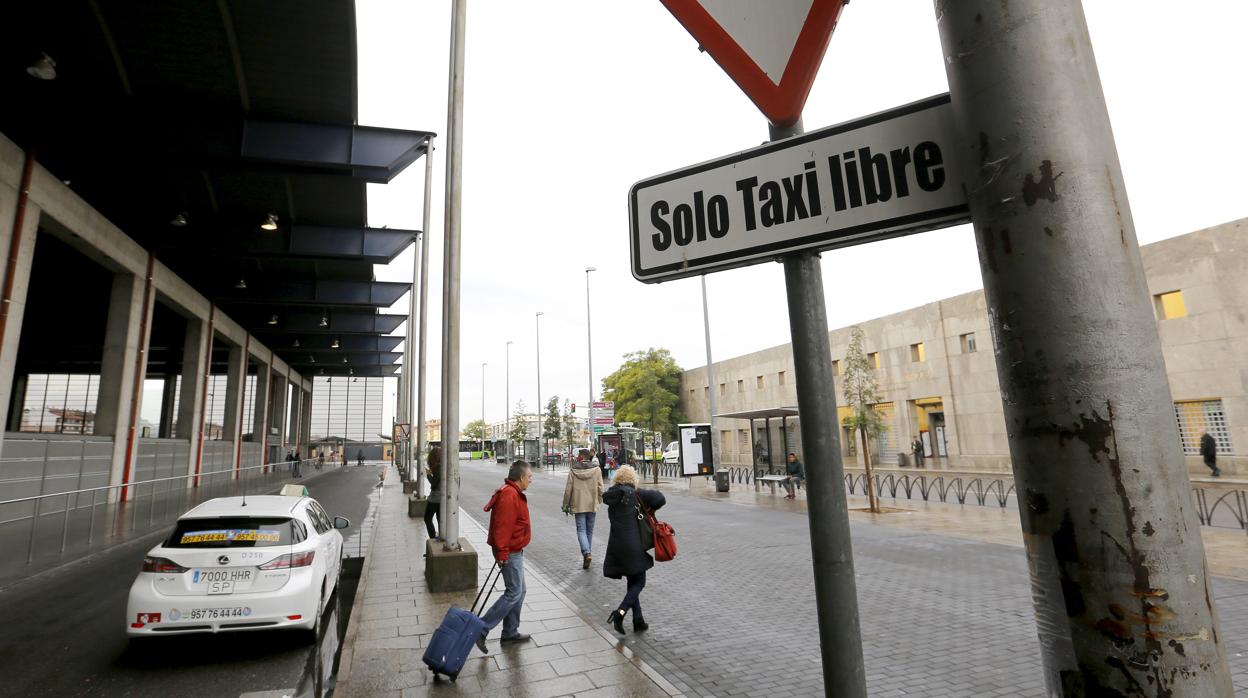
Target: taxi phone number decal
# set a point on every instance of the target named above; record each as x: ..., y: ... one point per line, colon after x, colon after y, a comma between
x: 233, y: 534
x: 210, y: 613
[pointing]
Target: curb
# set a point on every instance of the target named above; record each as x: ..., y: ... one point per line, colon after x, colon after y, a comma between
x: 347, y: 654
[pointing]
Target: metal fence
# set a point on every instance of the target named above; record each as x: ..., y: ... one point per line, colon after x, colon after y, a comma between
x: 52, y: 526
x: 1217, y: 505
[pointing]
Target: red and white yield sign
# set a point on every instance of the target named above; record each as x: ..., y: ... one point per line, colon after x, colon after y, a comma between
x: 771, y: 49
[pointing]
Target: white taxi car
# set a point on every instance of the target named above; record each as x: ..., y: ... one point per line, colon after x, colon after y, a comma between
x: 238, y: 563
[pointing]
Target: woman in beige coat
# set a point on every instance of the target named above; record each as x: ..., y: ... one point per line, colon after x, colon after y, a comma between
x: 581, y: 495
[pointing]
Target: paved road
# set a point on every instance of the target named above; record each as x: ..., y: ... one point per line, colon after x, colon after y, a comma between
x: 734, y: 613
x: 64, y: 634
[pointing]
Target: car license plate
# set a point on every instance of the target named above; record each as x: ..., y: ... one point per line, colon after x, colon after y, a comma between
x: 214, y: 613
x: 221, y: 581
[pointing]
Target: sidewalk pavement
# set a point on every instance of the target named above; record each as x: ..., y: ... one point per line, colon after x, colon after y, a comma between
x: 395, y: 614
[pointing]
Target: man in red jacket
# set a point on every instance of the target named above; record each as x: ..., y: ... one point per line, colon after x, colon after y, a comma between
x: 509, y: 534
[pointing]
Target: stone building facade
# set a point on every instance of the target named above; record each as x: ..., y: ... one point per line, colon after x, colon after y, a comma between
x: 938, y: 377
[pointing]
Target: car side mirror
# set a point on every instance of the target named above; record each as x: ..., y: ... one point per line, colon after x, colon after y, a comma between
x: 341, y: 522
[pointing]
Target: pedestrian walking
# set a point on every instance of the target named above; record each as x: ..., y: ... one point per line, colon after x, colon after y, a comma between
x: 320, y: 459
x: 359, y: 456
x: 602, y: 463
x: 916, y: 447
x: 296, y: 462
x: 581, y: 495
x: 796, y: 476
x: 626, y: 554
x: 433, y: 505
x: 1209, y: 451
x: 509, y: 534
x: 290, y: 463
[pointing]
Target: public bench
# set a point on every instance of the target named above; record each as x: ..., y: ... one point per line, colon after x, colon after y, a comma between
x: 771, y: 479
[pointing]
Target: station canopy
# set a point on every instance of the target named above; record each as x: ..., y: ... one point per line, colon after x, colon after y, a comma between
x: 190, y: 124
x: 763, y: 413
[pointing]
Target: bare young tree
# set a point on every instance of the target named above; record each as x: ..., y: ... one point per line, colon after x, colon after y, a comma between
x: 862, y: 393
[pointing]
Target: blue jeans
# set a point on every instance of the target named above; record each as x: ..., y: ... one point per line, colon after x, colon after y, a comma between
x: 585, y: 530
x: 507, y: 608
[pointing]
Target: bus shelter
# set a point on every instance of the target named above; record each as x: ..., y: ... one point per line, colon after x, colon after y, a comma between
x: 761, y: 452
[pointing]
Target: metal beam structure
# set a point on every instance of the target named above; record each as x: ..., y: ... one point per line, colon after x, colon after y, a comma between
x: 340, y: 243
x: 274, y: 293
x: 289, y: 342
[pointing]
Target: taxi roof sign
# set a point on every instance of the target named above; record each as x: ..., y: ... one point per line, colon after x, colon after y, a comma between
x: 772, y: 50
x: 293, y: 490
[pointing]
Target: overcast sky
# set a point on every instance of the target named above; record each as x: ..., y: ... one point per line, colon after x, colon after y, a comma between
x: 568, y: 103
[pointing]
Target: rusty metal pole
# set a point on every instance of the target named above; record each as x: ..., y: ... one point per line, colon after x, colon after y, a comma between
x: 1119, y: 580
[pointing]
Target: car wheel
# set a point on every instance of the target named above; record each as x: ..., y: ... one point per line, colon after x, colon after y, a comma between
x: 315, y: 633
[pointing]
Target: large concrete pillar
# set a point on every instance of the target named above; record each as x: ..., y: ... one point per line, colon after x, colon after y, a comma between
x: 260, y: 425
x: 122, y: 370
x: 305, y: 423
x: 16, y: 307
x: 196, y: 365
x: 235, y: 387
x: 277, y: 417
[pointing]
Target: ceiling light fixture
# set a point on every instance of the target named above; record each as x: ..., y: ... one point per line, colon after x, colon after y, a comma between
x: 324, y: 320
x: 270, y: 223
x: 321, y: 372
x: 44, y: 68
x: 242, y: 284
x: 344, y: 360
x: 296, y: 344
x: 311, y: 359
x: 335, y: 344
x: 272, y: 319
x: 179, y: 221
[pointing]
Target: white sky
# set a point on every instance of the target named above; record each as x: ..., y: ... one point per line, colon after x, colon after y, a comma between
x: 568, y: 103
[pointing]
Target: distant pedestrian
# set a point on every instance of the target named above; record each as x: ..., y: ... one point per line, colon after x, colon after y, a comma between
x: 626, y: 555
x: 296, y: 463
x: 290, y: 463
x: 602, y: 463
x: 916, y: 447
x: 359, y: 456
x: 796, y: 476
x: 1209, y: 451
x: 433, y: 505
x: 581, y: 495
x: 509, y: 534
x: 320, y: 459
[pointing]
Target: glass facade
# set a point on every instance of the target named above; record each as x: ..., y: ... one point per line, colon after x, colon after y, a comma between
x: 348, y: 408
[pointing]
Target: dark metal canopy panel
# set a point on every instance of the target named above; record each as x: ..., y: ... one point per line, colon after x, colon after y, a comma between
x: 189, y: 123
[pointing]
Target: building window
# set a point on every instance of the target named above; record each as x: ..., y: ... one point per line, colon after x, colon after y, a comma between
x: 740, y: 386
x: 1170, y: 305
x: 723, y: 389
x: 706, y: 392
x: 691, y: 393
x: 917, y: 353
x: 836, y: 367
x: 760, y: 384
x: 1195, y: 416
x: 968, y: 343
x: 780, y: 375
x: 873, y: 359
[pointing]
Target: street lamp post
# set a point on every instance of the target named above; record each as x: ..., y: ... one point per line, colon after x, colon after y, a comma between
x: 540, y: 440
x: 589, y: 345
x: 483, y: 365
x: 507, y: 419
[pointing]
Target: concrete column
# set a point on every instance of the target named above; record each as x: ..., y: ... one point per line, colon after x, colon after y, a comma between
x: 21, y: 281
x: 260, y: 428
x: 235, y: 387
x: 164, y: 429
x: 123, y: 341
x: 296, y: 419
x: 305, y: 423
x: 278, y: 414
x: 196, y: 364
x: 18, y: 401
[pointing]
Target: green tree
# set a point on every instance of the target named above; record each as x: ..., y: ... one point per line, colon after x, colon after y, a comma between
x: 569, y: 424
x: 476, y: 430
x: 646, y: 390
x: 862, y: 393
x: 551, y: 422
x: 519, y: 428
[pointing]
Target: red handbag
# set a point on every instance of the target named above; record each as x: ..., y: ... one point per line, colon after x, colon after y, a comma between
x: 663, y: 535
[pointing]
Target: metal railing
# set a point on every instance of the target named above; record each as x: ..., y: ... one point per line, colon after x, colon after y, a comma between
x: 114, y: 513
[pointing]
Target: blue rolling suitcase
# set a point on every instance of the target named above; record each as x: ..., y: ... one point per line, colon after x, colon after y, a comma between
x: 454, y: 639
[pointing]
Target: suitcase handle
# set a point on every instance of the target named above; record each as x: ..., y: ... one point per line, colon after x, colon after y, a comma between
x: 483, y: 589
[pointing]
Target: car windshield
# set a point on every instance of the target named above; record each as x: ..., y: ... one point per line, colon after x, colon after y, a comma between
x: 231, y: 532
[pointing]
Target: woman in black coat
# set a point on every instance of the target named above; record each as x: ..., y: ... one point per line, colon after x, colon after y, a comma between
x: 625, y: 555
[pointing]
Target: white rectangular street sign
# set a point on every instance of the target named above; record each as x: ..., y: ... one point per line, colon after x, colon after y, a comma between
x: 881, y: 176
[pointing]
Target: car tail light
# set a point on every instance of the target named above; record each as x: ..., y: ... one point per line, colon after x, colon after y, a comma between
x: 290, y: 560
x: 160, y: 564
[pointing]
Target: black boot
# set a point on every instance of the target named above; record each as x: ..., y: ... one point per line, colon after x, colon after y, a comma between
x: 616, y: 620
x: 639, y: 625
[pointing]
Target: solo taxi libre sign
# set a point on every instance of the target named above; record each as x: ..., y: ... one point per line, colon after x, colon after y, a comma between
x: 881, y: 176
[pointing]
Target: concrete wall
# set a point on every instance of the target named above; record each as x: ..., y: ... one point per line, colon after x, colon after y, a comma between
x: 1206, y: 356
